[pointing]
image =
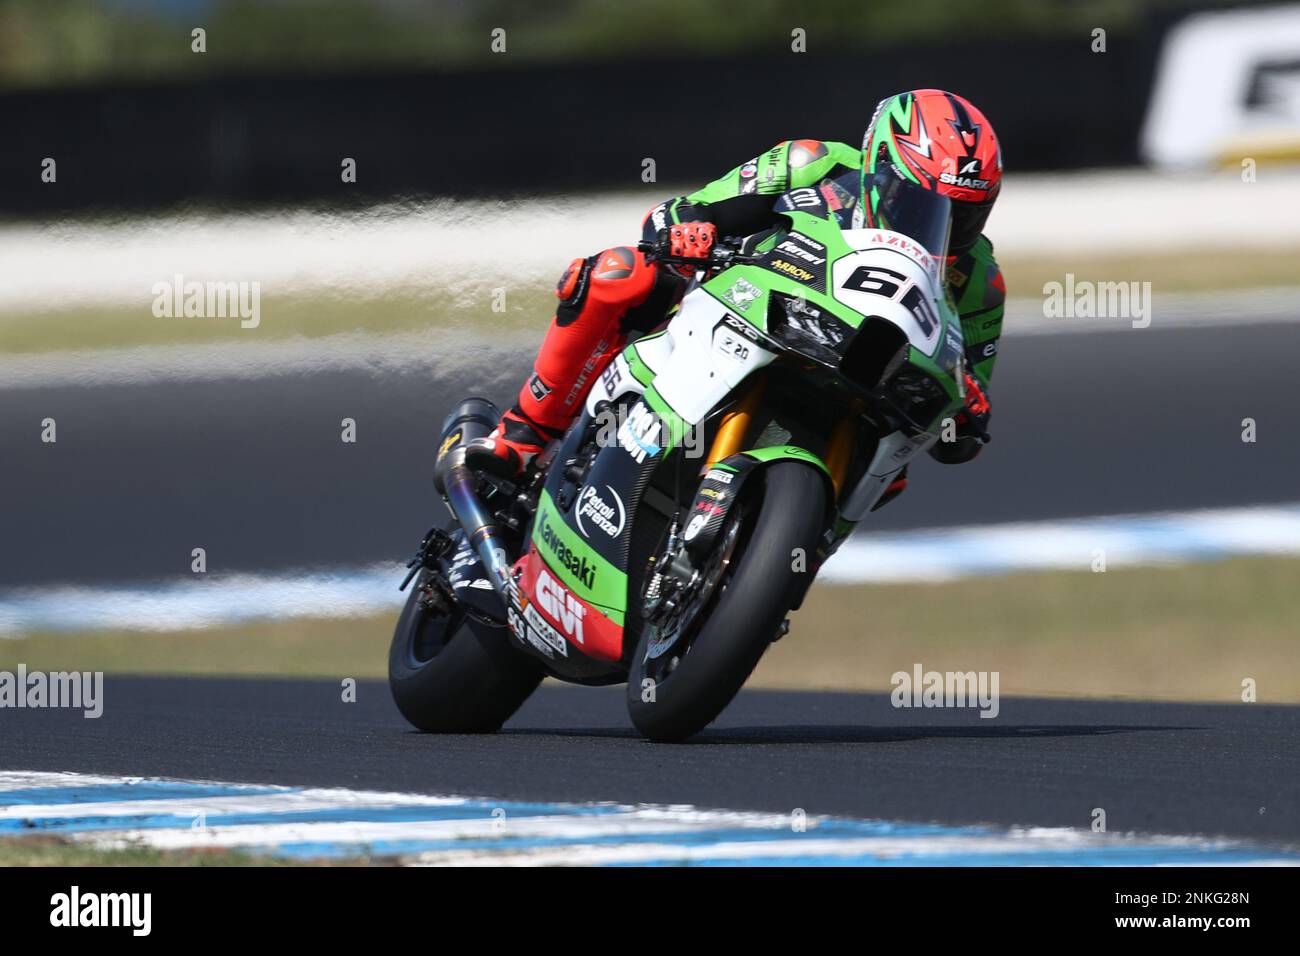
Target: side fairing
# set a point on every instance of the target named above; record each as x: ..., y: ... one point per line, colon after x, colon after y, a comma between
x: 575, y: 576
x: 713, y: 351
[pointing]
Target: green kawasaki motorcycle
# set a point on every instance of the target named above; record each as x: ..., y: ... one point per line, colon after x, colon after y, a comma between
x: 663, y: 541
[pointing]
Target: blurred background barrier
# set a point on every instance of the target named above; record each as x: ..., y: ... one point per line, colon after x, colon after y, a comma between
x: 1228, y: 86
x: 576, y: 95
x: 535, y: 128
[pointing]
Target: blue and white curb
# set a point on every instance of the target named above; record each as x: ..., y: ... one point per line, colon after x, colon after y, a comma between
x: 926, y: 555
x: 306, y: 824
x: 942, y: 554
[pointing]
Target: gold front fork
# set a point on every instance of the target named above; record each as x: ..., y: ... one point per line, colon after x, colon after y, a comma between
x: 839, y: 451
x: 736, y: 421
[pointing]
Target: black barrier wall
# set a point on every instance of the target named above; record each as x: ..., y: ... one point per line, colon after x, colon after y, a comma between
x: 272, y: 139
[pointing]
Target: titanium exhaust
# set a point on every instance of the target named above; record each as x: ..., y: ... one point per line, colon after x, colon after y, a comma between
x: 459, y: 488
x: 472, y: 418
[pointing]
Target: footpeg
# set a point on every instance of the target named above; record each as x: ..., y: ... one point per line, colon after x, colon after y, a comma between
x: 434, y: 546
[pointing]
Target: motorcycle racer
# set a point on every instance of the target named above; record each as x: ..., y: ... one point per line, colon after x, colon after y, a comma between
x: 931, y: 138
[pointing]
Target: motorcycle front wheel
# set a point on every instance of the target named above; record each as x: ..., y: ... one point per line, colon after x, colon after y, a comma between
x: 677, y: 694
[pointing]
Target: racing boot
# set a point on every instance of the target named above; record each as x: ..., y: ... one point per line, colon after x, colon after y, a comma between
x: 510, y: 448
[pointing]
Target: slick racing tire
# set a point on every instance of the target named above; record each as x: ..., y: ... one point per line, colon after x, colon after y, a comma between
x: 453, y: 675
x: 752, y: 596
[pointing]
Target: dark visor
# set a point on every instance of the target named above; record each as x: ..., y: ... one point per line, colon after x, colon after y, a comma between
x: 918, y: 213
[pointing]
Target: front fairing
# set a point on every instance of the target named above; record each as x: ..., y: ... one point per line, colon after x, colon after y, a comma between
x: 813, y: 287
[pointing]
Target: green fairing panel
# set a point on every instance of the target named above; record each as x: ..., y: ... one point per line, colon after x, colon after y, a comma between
x: 791, y: 452
x: 577, y: 564
x: 774, y: 453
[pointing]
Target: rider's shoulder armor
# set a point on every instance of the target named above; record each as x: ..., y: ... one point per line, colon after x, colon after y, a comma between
x: 809, y: 161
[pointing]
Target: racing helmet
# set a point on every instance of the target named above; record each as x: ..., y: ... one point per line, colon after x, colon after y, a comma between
x: 934, y: 141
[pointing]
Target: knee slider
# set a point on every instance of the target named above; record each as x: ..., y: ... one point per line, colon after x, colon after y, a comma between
x: 573, y: 281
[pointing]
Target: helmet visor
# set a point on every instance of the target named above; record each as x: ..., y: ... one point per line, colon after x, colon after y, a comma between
x: 899, y: 205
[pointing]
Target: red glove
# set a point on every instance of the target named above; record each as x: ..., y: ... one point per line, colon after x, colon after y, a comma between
x: 694, y: 240
x: 976, y: 401
x: 976, y: 413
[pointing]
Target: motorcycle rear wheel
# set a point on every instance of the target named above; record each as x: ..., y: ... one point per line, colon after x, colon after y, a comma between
x: 757, y: 589
x: 450, y: 674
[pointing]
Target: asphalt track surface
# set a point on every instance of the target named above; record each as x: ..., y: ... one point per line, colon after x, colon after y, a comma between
x: 1204, y: 769
x: 254, y: 470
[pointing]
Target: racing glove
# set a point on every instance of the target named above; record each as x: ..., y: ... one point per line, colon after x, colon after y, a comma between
x: 974, y: 418
x: 972, y: 428
x: 693, y: 240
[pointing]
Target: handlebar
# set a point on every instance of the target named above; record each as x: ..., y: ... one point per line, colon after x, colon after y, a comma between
x: 719, y: 257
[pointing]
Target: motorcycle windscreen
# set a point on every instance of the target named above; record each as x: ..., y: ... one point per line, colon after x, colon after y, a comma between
x: 921, y: 214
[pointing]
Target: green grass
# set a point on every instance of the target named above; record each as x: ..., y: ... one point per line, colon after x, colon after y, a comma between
x: 529, y: 306
x: 299, y: 647
x: 1190, y: 632
x: 1208, y: 270
x: 1187, y: 632
x: 281, y: 318
x: 45, y: 851
x: 469, y: 307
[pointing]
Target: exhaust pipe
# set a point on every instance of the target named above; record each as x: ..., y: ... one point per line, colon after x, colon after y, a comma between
x: 459, y: 487
x: 472, y: 418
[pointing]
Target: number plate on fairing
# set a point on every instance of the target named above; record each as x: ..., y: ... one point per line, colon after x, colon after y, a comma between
x: 891, y: 277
